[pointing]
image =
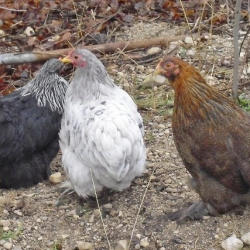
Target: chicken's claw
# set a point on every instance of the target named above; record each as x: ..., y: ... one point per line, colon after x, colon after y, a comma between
x: 195, y: 212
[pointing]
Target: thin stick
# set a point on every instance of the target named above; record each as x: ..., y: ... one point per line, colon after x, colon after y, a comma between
x: 236, y: 49
x: 98, y: 205
x: 5, y: 8
x: 78, y: 21
x: 138, y: 212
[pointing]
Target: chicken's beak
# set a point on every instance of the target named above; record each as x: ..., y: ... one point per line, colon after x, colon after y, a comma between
x: 158, y: 70
x: 66, y: 60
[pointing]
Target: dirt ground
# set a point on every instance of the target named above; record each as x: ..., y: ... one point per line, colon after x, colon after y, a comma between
x: 31, y: 220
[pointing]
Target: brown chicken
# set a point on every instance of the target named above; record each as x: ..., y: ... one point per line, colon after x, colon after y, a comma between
x: 212, y: 136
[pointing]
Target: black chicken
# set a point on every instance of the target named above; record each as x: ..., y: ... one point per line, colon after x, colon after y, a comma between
x: 30, y: 120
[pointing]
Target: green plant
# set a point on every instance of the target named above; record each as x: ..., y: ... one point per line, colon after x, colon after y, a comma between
x: 244, y: 103
x: 10, y: 234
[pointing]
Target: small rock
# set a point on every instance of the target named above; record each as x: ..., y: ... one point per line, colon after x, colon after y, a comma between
x: 5, y: 229
x: 144, y: 243
x: 92, y: 218
x: 2, y: 33
x: 152, y: 80
x: 120, y: 214
x: 3, y: 201
x: 113, y: 212
x: 122, y: 245
x: 120, y: 74
x: 2, y: 242
x: 29, y: 31
x: 17, y: 212
x: 161, y: 126
x: 56, y: 177
x: 232, y: 243
x: 54, y: 38
x: 83, y: 245
x: 107, y: 206
x: 153, y: 51
x: 96, y: 212
x: 5, y: 223
x: 189, y: 40
x: 246, y: 238
x: 140, y: 67
x: 17, y: 248
x: 138, y: 236
x: 190, y: 52
x: 18, y: 204
x: 64, y: 236
x: 137, y: 246
x: 7, y: 245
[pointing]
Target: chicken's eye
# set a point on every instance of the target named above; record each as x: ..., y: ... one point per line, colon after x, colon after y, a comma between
x: 168, y: 65
x: 76, y: 57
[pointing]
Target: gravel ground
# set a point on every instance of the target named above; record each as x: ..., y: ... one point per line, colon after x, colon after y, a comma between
x: 31, y: 220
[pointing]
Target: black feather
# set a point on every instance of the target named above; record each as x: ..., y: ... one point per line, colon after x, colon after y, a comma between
x: 30, y: 119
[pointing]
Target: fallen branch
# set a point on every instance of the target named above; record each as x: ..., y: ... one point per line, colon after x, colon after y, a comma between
x: 36, y: 56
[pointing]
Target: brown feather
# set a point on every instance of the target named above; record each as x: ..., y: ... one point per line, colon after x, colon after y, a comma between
x: 212, y: 135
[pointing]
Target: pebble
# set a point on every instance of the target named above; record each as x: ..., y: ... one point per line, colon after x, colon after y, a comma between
x: 64, y: 236
x: 161, y: 126
x: 4, y: 223
x: 144, y: 243
x: 137, y: 246
x: 140, y: 67
x: 17, y: 248
x: 83, y: 245
x: 120, y: 214
x: 190, y: 52
x: 107, y: 206
x: 2, y: 33
x: 122, y: 245
x: 232, y: 243
x: 6, y: 229
x: 7, y: 245
x: 29, y: 31
x: 18, y: 212
x: 246, y: 238
x: 138, y: 236
x: 56, y: 178
x: 92, y: 218
x: 152, y: 80
x: 189, y: 40
x: 153, y: 51
x: 2, y: 242
x: 3, y: 201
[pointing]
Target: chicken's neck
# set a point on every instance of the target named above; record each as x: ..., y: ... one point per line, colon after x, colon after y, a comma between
x: 92, y: 83
x: 196, y: 100
x: 48, y: 90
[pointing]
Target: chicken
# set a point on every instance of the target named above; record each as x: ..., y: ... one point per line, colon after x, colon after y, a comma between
x: 101, y: 137
x: 212, y: 136
x: 30, y: 120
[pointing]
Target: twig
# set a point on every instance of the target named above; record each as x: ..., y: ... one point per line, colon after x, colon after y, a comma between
x: 5, y: 8
x: 139, y: 210
x: 98, y: 205
x: 236, y: 49
x: 36, y: 56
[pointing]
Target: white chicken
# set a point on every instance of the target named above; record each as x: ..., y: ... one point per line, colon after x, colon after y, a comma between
x: 101, y: 136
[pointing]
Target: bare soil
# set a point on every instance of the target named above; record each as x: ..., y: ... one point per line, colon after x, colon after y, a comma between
x: 34, y: 222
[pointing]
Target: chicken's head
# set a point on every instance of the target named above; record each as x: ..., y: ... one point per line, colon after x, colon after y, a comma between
x: 80, y: 58
x: 168, y: 67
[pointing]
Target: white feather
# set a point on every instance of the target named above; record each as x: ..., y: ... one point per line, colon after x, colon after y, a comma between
x: 101, y: 131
